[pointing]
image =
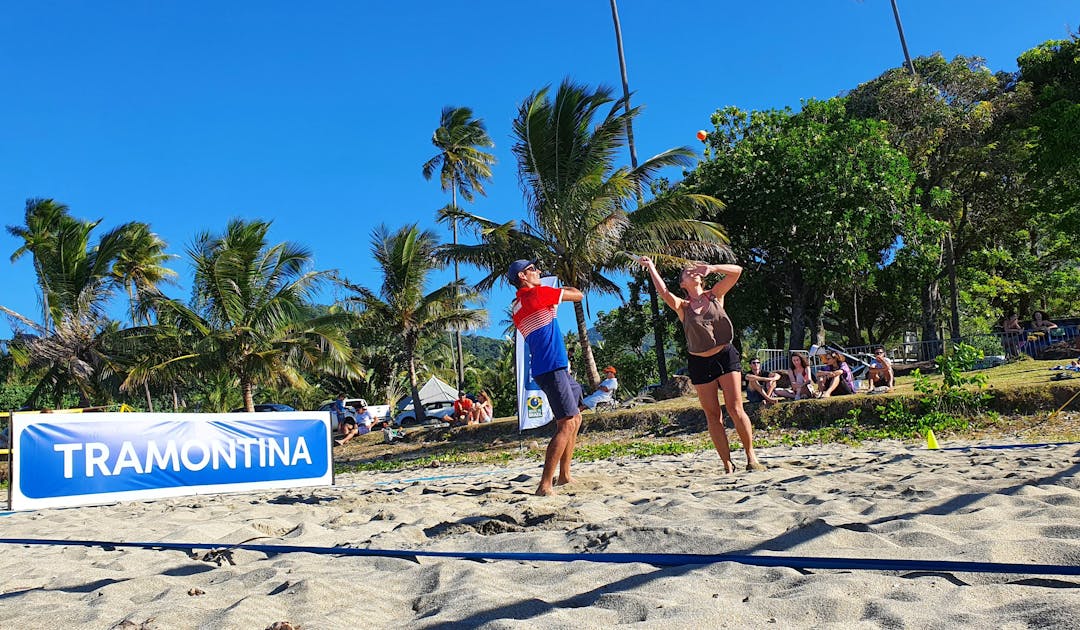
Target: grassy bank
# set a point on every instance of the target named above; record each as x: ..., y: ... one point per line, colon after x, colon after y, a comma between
x: 1021, y: 404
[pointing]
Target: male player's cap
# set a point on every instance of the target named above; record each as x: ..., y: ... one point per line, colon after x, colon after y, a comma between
x: 517, y: 267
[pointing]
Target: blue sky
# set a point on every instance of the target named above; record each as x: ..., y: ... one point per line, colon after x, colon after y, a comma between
x: 318, y: 116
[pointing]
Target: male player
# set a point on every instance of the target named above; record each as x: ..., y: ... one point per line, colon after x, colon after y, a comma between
x: 534, y: 316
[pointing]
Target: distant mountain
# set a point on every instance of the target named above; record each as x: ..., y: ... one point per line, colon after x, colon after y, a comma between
x: 483, y: 348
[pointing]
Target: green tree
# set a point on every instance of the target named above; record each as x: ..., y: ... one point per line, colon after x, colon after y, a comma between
x: 403, y: 310
x: 251, y: 315
x: 943, y: 120
x: 463, y: 167
x: 813, y: 199
x: 1051, y: 71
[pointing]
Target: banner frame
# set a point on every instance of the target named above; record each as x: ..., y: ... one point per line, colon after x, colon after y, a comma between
x: 18, y: 501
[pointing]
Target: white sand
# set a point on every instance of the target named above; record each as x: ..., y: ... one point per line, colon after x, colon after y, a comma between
x: 902, y: 502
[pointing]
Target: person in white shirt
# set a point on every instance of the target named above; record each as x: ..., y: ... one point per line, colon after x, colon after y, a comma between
x: 605, y: 392
x: 363, y: 419
x: 358, y: 424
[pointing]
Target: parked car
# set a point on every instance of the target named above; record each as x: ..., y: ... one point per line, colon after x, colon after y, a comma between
x: 378, y: 412
x: 433, y: 410
x: 267, y: 407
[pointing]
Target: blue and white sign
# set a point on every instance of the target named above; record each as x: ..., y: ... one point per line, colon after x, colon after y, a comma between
x: 62, y: 460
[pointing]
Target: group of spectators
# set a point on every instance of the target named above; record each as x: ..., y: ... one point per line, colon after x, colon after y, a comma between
x: 355, y: 420
x: 1014, y: 335
x: 466, y: 411
x: 833, y: 378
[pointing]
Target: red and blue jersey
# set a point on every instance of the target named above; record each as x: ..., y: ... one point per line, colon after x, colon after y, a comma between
x: 534, y: 317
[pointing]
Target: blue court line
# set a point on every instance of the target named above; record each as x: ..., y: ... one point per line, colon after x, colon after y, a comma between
x: 1001, y: 447
x: 788, y: 456
x: 655, y: 559
x: 990, y: 447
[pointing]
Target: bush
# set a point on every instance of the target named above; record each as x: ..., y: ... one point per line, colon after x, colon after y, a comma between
x: 14, y: 396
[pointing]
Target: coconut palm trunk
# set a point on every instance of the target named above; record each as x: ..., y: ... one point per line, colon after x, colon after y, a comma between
x: 248, y: 389
x: 654, y: 302
x: 134, y: 318
x: 903, y: 40
x: 418, y: 406
x: 459, y: 362
x: 586, y: 347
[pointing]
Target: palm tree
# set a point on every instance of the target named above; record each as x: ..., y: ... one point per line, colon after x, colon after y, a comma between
x: 578, y: 224
x: 463, y: 168
x: 251, y: 314
x: 406, y: 258
x: 140, y: 268
x: 42, y: 218
x: 73, y: 346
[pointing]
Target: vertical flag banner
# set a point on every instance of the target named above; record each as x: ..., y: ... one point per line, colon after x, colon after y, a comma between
x: 533, y: 408
x: 62, y: 460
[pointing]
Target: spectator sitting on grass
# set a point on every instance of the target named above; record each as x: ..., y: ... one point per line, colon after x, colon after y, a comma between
x: 1012, y: 332
x: 760, y: 388
x: 483, y: 410
x: 835, y: 378
x: 881, y: 371
x: 364, y: 419
x: 1039, y: 323
x: 391, y: 435
x: 605, y: 392
x: 349, y: 429
x: 799, y: 378
x: 462, y: 409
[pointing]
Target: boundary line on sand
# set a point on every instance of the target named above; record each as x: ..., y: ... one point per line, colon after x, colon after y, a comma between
x: 655, y: 559
x: 522, y: 470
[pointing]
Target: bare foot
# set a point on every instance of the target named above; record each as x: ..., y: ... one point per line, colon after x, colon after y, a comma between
x: 563, y: 482
x: 755, y: 466
x: 728, y: 467
x: 543, y: 491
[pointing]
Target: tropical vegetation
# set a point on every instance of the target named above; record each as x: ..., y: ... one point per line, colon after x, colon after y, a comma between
x: 932, y: 201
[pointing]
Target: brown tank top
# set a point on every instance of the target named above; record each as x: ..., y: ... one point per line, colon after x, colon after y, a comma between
x: 708, y: 329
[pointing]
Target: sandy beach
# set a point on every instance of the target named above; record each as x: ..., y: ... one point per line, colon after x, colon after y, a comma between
x: 882, y: 500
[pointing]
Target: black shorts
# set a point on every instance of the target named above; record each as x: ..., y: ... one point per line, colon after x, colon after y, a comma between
x: 562, y: 391
x: 707, y: 369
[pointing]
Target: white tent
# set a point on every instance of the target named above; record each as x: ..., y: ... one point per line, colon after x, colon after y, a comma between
x: 433, y: 391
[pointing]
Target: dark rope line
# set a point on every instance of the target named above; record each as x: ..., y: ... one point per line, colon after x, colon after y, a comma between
x: 655, y: 559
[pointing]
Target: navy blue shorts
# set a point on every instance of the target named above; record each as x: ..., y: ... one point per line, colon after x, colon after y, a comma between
x: 562, y: 391
x: 707, y: 369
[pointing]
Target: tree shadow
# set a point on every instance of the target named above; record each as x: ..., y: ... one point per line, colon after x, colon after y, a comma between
x: 88, y: 587
x: 533, y: 607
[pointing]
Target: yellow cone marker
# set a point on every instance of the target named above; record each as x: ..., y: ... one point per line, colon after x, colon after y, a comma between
x: 931, y: 441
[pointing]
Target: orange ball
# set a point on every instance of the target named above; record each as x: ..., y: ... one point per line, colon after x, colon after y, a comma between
x: 702, y: 134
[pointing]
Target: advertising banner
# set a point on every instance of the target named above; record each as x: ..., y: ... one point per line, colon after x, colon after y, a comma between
x: 533, y: 408
x: 62, y: 460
